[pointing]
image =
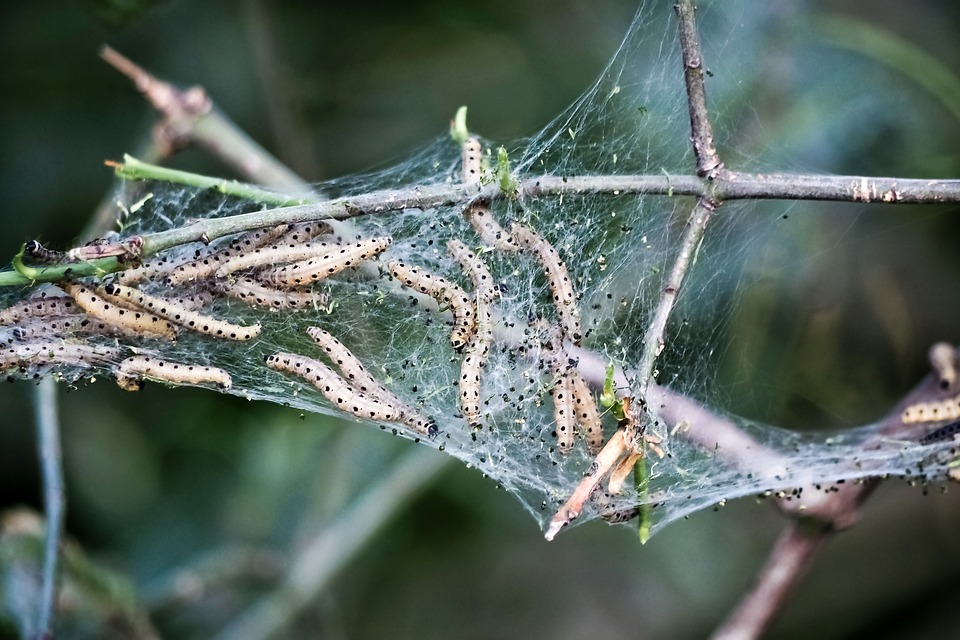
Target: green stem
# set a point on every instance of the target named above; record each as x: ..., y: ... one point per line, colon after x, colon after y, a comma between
x: 133, y: 169
x: 641, y: 479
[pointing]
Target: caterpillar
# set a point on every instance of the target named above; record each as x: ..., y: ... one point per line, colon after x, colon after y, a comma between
x: 42, y: 305
x: 471, y: 161
x: 55, y: 352
x: 41, y: 254
x: 334, y: 388
x: 132, y: 370
x: 320, y: 266
x: 558, y: 277
x: 206, y: 265
x: 948, y: 409
x: 361, y: 379
x: 444, y: 292
x: 274, y: 254
x: 148, y: 271
x: 475, y: 354
x: 588, y: 415
x: 480, y: 217
x: 139, y: 322
x: 943, y: 361
x: 182, y: 316
x: 252, y: 291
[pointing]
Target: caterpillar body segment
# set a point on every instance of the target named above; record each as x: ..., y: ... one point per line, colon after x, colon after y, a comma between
x: 303, y: 232
x: 38, y: 307
x: 444, y: 292
x: 273, y: 254
x: 471, y: 161
x: 328, y: 263
x: 557, y: 276
x: 334, y: 388
x: 253, y: 291
x: 475, y: 353
x: 132, y: 371
x: 587, y: 412
x: 61, y: 326
x: 352, y: 369
x: 357, y: 375
x: 207, y: 264
x: 138, y: 322
x: 480, y: 217
x: 161, y: 268
x: 55, y: 352
x: 564, y: 412
x: 180, y: 315
x: 935, y: 411
x: 944, y: 362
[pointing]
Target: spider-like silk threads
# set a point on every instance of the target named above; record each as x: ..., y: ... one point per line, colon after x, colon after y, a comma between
x: 183, y: 316
x: 334, y: 388
x: 133, y: 369
x: 444, y: 292
x: 557, y: 276
x: 141, y: 322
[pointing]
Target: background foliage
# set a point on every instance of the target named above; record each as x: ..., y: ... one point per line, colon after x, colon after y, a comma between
x: 158, y: 478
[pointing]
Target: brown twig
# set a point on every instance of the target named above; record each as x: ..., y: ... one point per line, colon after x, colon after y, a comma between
x: 190, y: 117
x: 708, y: 162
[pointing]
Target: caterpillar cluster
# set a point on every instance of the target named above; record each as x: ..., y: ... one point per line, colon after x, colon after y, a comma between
x: 280, y: 268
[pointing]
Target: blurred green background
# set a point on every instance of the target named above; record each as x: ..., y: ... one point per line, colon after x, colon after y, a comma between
x: 160, y: 480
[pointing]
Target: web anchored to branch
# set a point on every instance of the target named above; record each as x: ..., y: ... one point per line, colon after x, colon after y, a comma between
x: 479, y: 309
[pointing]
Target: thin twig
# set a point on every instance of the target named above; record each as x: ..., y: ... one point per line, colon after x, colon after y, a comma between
x: 51, y: 464
x: 787, y: 563
x: 190, y: 117
x: 708, y: 163
x: 337, y: 545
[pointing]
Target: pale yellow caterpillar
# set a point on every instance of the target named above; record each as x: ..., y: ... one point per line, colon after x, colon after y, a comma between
x: 948, y: 409
x: 475, y: 354
x: 588, y: 415
x: 444, y: 292
x: 42, y: 305
x: 334, y: 388
x: 564, y: 411
x: 181, y: 315
x: 252, y: 291
x: 303, y: 232
x: 135, y: 368
x: 61, y: 326
x: 162, y: 267
x: 206, y: 265
x: 55, y: 352
x: 558, y: 277
x: 321, y: 265
x: 471, y: 161
x: 361, y: 379
x: 274, y: 254
x: 493, y: 235
x: 139, y: 322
